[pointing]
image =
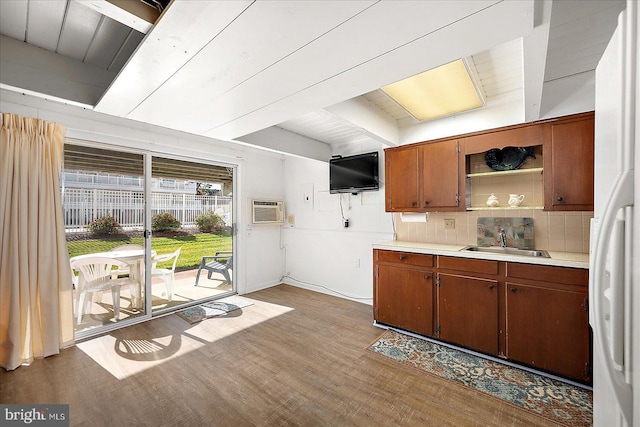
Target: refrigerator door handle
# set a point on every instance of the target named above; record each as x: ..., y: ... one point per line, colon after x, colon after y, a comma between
x: 620, y: 197
x: 617, y: 295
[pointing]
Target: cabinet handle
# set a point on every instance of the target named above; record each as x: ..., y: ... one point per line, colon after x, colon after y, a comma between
x: 513, y: 289
x: 428, y: 276
x: 426, y: 202
x: 490, y: 286
x: 402, y: 257
x: 414, y: 204
x: 559, y: 198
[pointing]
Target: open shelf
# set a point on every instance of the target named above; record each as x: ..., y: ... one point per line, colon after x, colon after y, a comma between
x: 505, y: 173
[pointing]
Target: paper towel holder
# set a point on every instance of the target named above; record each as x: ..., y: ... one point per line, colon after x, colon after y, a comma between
x: 414, y: 216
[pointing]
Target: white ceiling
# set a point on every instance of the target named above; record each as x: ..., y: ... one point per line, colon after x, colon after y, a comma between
x: 263, y: 72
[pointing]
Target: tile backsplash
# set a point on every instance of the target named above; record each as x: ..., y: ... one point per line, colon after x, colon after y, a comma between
x: 553, y: 231
x: 518, y: 232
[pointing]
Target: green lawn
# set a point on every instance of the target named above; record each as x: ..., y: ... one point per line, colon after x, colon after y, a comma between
x: 194, y: 247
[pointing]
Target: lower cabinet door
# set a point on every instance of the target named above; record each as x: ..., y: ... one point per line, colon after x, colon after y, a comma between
x: 468, y: 312
x: 404, y: 298
x: 548, y: 329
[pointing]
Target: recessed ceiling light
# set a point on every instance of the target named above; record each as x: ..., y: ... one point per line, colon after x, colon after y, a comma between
x: 439, y: 92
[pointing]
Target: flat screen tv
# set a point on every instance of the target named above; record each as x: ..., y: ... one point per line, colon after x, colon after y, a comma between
x: 353, y: 174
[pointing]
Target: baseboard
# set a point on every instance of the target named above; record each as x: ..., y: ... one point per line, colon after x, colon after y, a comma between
x: 323, y: 290
x: 260, y: 287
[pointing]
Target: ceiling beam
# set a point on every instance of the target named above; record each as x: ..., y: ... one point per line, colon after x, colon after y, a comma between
x: 534, y: 52
x: 569, y: 95
x: 134, y: 14
x: 285, y: 142
x: 242, y: 47
x: 184, y: 30
x: 49, y: 75
x: 370, y: 120
x: 462, y: 38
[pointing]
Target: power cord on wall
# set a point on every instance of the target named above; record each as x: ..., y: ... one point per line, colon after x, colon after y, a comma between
x: 324, y: 287
x: 345, y: 221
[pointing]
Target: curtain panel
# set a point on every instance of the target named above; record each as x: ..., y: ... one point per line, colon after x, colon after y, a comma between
x: 36, y: 301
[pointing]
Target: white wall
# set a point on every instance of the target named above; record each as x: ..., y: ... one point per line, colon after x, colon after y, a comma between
x: 321, y: 254
x: 262, y: 247
x: 260, y: 173
x: 570, y: 95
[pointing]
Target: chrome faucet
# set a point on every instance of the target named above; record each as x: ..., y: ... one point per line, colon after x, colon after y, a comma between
x: 502, y: 238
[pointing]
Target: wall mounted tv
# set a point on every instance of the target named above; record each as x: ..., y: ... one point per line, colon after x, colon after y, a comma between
x: 353, y: 174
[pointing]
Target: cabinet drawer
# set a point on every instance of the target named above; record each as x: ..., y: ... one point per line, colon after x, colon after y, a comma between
x: 408, y: 258
x: 470, y: 265
x: 567, y: 276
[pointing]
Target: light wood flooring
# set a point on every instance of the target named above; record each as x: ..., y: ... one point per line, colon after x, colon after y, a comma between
x: 294, y: 357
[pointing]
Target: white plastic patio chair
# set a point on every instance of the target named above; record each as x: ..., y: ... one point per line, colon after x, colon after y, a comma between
x: 94, y: 275
x: 128, y: 247
x: 166, y: 274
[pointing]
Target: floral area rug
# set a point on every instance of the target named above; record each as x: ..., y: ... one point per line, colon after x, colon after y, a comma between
x: 213, y: 309
x: 554, y: 400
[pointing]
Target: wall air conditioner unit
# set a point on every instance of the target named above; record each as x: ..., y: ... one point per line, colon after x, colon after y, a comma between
x: 267, y: 211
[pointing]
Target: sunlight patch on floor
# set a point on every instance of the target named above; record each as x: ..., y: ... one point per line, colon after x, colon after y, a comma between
x: 129, y: 351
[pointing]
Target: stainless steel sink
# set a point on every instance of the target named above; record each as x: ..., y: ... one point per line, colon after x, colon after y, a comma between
x: 507, y: 251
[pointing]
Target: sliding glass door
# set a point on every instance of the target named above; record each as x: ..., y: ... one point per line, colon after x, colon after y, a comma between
x: 104, y: 211
x: 192, y: 216
x: 174, y: 229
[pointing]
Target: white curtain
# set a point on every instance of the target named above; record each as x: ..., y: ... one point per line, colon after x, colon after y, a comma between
x: 36, y: 302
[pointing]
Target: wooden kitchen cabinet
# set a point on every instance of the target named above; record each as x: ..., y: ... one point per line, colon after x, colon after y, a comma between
x: 439, y: 175
x: 431, y: 176
x: 423, y: 177
x: 401, y: 179
x: 468, y: 312
x: 403, y: 291
x: 547, y: 319
x: 467, y: 303
x: 568, y: 178
x: 535, y: 315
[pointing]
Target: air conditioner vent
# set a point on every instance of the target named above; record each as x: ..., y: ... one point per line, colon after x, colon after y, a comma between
x: 267, y: 211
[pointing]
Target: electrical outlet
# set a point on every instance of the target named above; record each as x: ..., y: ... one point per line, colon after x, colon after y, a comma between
x: 449, y: 224
x: 307, y: 193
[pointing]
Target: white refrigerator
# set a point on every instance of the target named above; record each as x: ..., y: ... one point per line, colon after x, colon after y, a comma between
x: 614, y: 274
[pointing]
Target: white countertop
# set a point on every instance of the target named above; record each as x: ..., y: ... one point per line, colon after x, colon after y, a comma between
x: 560, y: 259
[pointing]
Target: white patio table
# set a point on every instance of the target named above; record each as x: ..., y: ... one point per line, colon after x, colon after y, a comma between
x: 135, y: 258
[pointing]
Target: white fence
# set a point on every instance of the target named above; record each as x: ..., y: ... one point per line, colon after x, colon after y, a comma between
x: 81, y: 206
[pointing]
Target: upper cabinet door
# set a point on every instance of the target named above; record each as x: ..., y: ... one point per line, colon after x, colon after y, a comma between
x: 401, y: 179
x: 439, y: 177
x: 569, y: 165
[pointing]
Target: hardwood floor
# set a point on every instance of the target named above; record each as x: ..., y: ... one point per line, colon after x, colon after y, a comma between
x: 294, y: 357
